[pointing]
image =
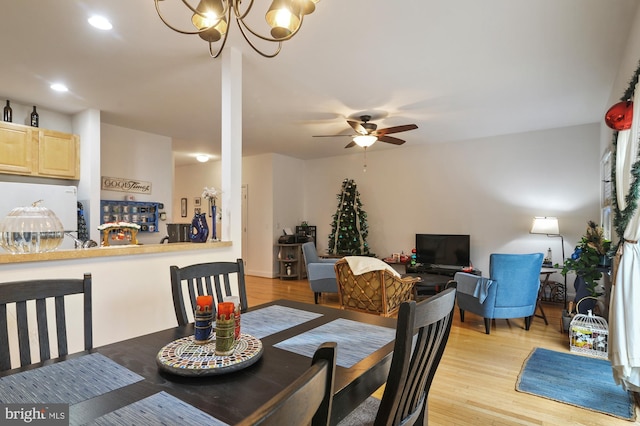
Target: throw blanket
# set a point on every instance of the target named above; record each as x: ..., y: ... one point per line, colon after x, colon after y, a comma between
x: 473, y: 285
x: 361, y: 264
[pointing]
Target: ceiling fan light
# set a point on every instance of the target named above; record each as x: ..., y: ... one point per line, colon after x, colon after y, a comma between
x: 365, y: 141
x: 283, y: 17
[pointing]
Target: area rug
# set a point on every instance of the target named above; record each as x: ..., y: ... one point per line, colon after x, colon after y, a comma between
x: 575, y: 380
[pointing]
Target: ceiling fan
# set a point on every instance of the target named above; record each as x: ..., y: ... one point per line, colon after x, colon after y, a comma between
x: 367, y: 133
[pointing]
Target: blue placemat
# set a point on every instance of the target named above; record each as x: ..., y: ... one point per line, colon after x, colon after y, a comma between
x: 69, y: 382
x: 158, y: 409
x: 355, y: 340
x: 273, y: 319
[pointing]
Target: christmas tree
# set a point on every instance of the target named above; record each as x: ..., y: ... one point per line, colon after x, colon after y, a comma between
x: 349, y: 229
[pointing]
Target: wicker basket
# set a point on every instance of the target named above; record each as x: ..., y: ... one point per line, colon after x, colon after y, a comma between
x: 589, y: 334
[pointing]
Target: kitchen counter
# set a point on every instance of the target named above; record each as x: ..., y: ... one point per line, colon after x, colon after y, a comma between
x: 96, y: 252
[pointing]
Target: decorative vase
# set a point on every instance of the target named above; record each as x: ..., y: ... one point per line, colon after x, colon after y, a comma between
x: 199, y: 228
x: 214, y: 234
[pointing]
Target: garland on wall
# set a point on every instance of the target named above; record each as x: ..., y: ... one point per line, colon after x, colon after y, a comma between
x: 621, y: 218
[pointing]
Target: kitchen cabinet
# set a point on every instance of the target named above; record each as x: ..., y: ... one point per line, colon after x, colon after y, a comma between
x: 31, y: 151
x: 17, y: 148
x: 58, y: 154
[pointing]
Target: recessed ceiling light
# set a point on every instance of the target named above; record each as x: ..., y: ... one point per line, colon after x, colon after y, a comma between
x: 59, y: 87
x: 202, y: 158
x: 100, y: 22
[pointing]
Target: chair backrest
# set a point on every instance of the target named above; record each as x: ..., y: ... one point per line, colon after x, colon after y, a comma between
x: 379, y: 292
x: 412, y: 370
x: 18, y: 293
x: 518, y: 277
x: 306, y: 401
x: 206, y: 278
x: 309, y: 252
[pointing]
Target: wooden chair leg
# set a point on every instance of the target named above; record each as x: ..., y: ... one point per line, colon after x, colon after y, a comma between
x: 461, y: 315
x: 487, y: 325
x: 527, y: 322
x: 316, y: 296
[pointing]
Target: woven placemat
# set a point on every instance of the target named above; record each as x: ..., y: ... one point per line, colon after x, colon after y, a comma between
x: 69, y: 382
x: 274, y: 319
x: 158, y: 409
x: 355, y: 340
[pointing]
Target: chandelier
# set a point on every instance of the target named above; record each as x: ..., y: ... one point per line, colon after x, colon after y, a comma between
x: 211, y: 18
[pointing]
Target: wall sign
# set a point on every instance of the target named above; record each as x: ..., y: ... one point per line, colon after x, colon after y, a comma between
x: 126, y: 185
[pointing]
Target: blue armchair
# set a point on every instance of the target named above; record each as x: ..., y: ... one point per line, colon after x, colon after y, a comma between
x: 511, y: 291
x: 320, y: 272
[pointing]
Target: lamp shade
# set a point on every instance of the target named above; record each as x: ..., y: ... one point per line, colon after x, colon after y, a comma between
x: 365, y: 140
x: 284, y: 18
x: 545, y: 225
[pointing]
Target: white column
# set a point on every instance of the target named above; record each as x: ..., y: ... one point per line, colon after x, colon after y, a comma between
x: 232, y: 148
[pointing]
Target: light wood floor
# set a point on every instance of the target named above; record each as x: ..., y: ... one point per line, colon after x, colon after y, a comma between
x: 475, y: 383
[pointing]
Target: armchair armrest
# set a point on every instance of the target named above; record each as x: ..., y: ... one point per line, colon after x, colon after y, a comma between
x: 322, y: 270
x: 398, y: 290
x: 473, y: 285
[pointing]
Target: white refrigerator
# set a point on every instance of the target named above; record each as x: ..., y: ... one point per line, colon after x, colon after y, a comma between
x: 62, y: 200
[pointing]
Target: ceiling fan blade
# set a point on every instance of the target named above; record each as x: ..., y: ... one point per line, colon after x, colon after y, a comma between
x: 391, y: 139
x: 396, y: 129
x: 331, y: 136
x: 350, y: 144
x: 357, y: 126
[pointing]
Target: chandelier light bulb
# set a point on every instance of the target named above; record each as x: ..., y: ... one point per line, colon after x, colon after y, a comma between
x: 211, y: 19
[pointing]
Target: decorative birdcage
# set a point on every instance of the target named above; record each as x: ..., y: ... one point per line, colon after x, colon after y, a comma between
x: 589, y: 335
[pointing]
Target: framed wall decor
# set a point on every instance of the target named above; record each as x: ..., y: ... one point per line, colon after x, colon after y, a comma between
x: 183, y: 207
x: 196, y: 201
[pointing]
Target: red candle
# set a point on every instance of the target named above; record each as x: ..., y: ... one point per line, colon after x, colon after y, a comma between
x: 204, y: 303
x: 226, y: 310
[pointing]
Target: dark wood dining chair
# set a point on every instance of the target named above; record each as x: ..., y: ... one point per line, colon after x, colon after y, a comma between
x: 404, y: 400
x: 18, y: 293
x: 307, y: 400
x: 212, y: 278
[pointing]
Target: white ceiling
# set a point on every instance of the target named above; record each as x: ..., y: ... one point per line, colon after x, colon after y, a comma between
x: 459, y: 69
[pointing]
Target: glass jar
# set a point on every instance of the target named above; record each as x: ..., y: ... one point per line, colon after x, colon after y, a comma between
x: 31, y: 229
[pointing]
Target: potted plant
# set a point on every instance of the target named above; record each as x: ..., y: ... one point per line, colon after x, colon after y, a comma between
x: 588, y: 260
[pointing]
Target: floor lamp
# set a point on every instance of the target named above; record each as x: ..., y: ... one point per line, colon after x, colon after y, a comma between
x: 549, y: 227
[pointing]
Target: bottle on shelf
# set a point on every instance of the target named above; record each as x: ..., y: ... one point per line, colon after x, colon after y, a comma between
x: 8, y: 113
x: 35, y: 118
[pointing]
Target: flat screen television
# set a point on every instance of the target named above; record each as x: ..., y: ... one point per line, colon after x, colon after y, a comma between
x: 448, y: 250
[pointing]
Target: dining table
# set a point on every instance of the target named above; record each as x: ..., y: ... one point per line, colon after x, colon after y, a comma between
x: 130, y: 382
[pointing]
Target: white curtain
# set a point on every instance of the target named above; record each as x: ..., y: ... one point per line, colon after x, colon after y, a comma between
x: 624, y: 312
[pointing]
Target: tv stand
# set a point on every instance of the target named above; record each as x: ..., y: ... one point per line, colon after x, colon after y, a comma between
x: 433, y: 279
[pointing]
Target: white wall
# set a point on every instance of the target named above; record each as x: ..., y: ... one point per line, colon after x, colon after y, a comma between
x: 628, y: 65
x: 258, y: 176
x: 489, y: 188
x: 48, y: 119
x: 132, y: 154
x: 189, y: 183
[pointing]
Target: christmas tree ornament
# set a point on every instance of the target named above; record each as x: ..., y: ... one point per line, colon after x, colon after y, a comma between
x: 620, y: 116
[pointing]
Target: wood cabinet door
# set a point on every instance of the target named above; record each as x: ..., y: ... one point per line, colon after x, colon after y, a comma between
x: 59, y: 154
x: 16, y: 149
